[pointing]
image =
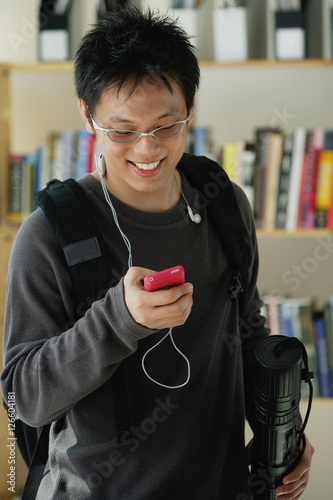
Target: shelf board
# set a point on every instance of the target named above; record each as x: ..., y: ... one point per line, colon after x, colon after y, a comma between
x: 265, y: 63
x: 63, y: 67
x: 319, y: 401
x: 301, y: 233
x: 67, y: 67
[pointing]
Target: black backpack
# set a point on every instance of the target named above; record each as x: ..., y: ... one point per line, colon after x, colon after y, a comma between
x: 67, y: 211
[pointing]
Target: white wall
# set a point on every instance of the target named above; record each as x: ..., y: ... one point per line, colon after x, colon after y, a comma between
x: 232, y: 100
x: 19, y: 27
x: 18, y: 30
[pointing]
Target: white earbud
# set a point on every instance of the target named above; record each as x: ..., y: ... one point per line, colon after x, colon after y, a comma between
x: 194, y: 217
x: 100, y: 166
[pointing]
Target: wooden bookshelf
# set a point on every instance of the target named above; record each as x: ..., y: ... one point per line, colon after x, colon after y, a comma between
x: 67, y: 67
x: 322, y: 408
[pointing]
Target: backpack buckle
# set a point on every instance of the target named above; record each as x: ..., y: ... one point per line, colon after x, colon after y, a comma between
x: 235, y: 288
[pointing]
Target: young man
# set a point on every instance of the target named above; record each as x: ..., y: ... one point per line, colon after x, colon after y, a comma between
x: 183, y: 394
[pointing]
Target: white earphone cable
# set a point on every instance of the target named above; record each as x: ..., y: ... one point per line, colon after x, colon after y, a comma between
x: 127, y: 242
x: 114, y: 213
x: 180, y: 352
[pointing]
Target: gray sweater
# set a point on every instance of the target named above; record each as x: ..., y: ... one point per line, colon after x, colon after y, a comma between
x: 185, y: 443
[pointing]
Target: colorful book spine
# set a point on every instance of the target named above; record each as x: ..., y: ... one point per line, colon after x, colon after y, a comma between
x: 275, y: 148
x: 15, y: 190
x: 306, y: 213
x: 322, y: 357
x: 323, y: 197
x: 259, y: 178
x: 284, y: 183
x: 295, y: 178
x: 68, y: 153
x: 230, y: 160
x: 28, y: 185
x: 82, y: 160
x: 328, y: 316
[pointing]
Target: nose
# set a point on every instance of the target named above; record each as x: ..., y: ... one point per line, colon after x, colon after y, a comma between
x: 146, y: 143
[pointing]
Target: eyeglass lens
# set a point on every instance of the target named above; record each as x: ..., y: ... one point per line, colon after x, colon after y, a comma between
x: 166, y: 132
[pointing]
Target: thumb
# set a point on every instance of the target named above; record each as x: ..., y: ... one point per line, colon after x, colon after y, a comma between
x: 135, y: 276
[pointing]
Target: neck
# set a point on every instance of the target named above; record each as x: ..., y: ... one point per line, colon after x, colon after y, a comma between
x: 147, y: 202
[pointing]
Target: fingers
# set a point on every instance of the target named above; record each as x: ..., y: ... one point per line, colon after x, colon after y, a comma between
x: 160, y: 309
x: 295, y: 483
x: 171, y: 296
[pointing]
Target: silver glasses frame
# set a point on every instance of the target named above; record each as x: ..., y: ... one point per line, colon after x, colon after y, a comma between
x: 143, y: 134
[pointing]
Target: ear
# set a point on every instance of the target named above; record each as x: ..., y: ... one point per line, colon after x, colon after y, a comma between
x: 86, y: 116
x: 193, y: 107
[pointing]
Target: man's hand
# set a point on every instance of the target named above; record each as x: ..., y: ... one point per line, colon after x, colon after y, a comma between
x: 296, y: 481
x: 160, y: 309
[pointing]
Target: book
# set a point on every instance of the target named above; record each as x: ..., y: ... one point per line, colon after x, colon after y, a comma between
x: 230, y: 161
x: 295, y: 178
x: 283, y: 187
x: 273, y: 316
x: 92, y: 145
x: 53, y: 151
x: 247, y: 168
x: 328, y: 139
x: 329, y: 215
x: 62, y: 155
x: 301, y: 190
x: 38, y: 166
x: 324, y: 375
x: 323, y: 194
x: 68, y: 137
x: 259, y: 177
x: 15, y: 189
x: 45, y: 163
x: 201, y: 141
x: 307, y: 211
x: 275, y: 148
x: 82, y: 158
x: 58, y: 157
x: 283, y: 315
x: 28, y: 185
x: 328, y: 317
x: 287, y: 319
x: 308, y: 339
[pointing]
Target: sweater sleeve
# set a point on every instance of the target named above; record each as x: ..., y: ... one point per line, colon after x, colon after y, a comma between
x: 252, y: 323
x: 50, y: 361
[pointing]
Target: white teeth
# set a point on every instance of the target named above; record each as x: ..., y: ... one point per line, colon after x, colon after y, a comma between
x: 147, y: 166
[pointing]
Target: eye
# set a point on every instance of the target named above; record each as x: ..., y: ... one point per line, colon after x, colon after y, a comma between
x: 122, y: 132
x: 122, y: 135
x: 169, y: 127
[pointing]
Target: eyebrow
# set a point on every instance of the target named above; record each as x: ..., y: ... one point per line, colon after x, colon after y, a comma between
x: 120, y: 119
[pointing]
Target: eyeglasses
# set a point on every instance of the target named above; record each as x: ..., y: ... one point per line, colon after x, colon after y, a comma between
x: 128, y: 136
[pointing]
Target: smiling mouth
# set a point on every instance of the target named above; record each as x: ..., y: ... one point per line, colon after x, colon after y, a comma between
x: 147, y: 166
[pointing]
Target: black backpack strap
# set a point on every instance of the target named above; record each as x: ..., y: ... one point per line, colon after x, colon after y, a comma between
x: 220, y: 199
x: 37, y: 466
x: 67, y: 211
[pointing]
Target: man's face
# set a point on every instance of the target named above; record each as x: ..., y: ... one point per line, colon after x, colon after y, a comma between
x: 141, y: 174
